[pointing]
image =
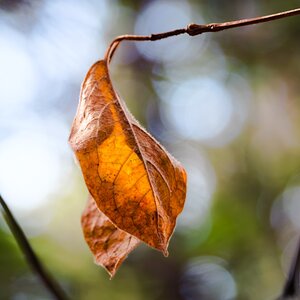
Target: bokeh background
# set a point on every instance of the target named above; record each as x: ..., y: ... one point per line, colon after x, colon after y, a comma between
x: 227, y: 105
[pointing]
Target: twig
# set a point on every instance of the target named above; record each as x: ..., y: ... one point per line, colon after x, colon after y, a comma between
x: 292, y: 284
x: 33, y: 261
x: 196, y: 29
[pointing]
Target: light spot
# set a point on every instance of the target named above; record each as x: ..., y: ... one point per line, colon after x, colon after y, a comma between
x: 18, y: 76
x: 201, y: 186
x: 199, y: 109
x: 160, y: 16
x: 291, y: 205
x: 207, y: 278
x: 33, y: 165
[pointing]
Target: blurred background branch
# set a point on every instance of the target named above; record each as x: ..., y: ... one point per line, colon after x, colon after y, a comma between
x: 292, y: 285
x: 32, y: 259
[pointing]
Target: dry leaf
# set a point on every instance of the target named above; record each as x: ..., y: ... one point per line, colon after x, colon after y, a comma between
x: 134, y: 181
x: 109, y: 244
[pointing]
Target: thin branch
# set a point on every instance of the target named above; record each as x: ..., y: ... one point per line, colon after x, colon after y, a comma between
x: 292, y: 284
x: 196, y: 29
x: 33, y: 261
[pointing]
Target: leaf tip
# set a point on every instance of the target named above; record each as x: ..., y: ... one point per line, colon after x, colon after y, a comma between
x: 164, y: 249
x: 111, y: 274
x: 166, y: 253
x: 111, y: 268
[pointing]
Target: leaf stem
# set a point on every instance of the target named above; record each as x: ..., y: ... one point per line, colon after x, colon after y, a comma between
x: 32, y: 259
x: 196, y: 29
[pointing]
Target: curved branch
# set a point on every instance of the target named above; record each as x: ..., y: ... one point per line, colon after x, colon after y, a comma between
x: 33, y: 261
x: 196, y: 29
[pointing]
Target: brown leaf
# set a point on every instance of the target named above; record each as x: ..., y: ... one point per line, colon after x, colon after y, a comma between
x: 134, y: 181
x: 109, y: 244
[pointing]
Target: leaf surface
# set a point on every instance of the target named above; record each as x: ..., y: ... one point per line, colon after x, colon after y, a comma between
x: 135, y: 182
x: 109, y: 244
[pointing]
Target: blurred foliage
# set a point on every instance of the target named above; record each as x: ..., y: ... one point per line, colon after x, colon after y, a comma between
x: 240, y: 248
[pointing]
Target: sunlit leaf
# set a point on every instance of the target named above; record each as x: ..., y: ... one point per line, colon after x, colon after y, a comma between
x: 138, y: 185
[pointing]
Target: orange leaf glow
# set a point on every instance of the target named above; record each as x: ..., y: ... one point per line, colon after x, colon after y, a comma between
x: 134, y: 181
